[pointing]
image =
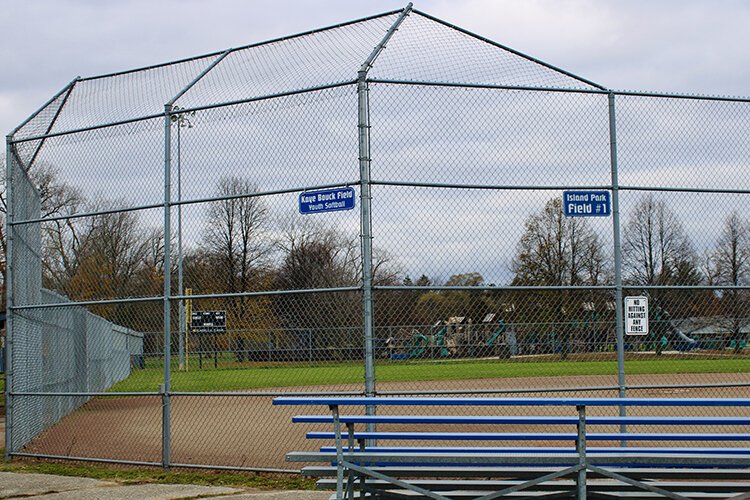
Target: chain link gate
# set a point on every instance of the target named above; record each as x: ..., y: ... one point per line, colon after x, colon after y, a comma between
x: 143, y: 205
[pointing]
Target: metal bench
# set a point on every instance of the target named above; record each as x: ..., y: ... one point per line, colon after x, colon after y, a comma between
x: 468, y: 465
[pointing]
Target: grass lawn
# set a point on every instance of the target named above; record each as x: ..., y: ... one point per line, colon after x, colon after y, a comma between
x: 269, y: 376
x: 140, y: 475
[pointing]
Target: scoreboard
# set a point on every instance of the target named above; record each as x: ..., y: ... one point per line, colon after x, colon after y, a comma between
x: 208, y: 322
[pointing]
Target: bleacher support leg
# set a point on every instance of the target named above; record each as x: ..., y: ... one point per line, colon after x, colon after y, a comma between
x: 339, y: 453
x: 581, y: 449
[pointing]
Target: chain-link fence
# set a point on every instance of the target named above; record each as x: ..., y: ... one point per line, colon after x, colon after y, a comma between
x: 378, y: 207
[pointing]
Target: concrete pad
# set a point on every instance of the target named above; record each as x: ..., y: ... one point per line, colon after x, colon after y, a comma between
x: 142, y: 492
x: 50, y: 487
x: 14, y: 484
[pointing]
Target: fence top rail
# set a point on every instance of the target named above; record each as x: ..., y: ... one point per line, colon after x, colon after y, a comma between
x: 504, y: 401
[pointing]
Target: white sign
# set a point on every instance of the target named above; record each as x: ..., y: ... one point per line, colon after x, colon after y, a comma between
x: 636, y: 315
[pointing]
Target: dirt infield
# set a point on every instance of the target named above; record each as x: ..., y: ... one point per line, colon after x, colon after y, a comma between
x: 250, y: 432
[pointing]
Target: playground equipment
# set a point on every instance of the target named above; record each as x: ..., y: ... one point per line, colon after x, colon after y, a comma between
x: 589, y: 329
x: 663, y: 328
x: 495, y: 338
x: 421, y: 342
x: 460, y: 337
x: 584, y: 327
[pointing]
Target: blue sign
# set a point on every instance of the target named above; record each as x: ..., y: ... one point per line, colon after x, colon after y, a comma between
x: 327, y: 200
x: 587, y: 204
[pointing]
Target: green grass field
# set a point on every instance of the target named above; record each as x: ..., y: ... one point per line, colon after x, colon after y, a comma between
x: 269, y: 376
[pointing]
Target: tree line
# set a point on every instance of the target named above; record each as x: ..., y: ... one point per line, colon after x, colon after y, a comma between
x: 241, y: 247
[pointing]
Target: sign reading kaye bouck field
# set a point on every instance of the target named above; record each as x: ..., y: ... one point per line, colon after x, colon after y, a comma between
x: 636, y: 315
x: 586, y: 204
x: 326, y: 200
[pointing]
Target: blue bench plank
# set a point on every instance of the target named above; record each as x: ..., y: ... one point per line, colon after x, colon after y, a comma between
x: 646, y: 459
x: 532, y: 436
x: 668, y: 461
x: 504, y: 401
x: 593, y: 485
x: 451, y: 436
x: 517, y: 420
x: 549, y: 449
x: 532, y: 472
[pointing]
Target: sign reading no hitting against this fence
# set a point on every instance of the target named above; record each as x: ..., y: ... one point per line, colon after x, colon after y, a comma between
x: 636, y: 315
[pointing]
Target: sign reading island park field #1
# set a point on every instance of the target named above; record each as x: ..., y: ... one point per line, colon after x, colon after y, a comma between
x: 586, y: 204
x: 327, y: 200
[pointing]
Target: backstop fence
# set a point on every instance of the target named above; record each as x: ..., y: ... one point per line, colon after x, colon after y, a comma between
x: 391, y: 205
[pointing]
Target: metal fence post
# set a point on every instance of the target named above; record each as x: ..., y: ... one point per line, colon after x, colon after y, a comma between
x: 619, y: 319
x: 363, y: 96
x: 180, y: 285
x: 366, y: 228
x: 166, y: 388
x: 581, y: 449
x: 8, y: 300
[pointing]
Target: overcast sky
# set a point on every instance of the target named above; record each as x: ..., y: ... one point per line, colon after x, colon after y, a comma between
x: 690, y: 46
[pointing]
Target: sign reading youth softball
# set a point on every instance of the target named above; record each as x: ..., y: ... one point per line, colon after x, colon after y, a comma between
x: 636, y: 315
x: 327, y: 200
x: 586, y: 204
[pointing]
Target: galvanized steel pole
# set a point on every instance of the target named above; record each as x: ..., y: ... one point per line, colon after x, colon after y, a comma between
x: 363, y: 95
x: 619, y: 319
x: 8, y: 300
x: 366, y: 229
x: 166, y: 387
x: 581, y: 449
x: 180, y: 289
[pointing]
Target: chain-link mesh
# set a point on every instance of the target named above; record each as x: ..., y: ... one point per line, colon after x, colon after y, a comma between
x: 56, y: 350
x: 427, y: 50
x: 165, y: 284
x: 126, y: 96
x: 318, y: 59
x: 41, y: 123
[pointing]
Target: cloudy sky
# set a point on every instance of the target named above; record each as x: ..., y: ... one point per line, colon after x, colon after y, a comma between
x: 693, y: 46
x: 685, y: 46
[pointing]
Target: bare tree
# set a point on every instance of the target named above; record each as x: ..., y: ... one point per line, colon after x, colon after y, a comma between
x: 237, y: 250
x: 113, y: 252
x: 656, y: 249
x: 235, y: 233
x: 57, y: 198
x: 555, y: 250
x: 731, y: 258
x: 558, y: 251
x: 440, y: 305
x: 730, y: 265
x: 109, y: 255
x: 316, y: 256
x: 64, y: 240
